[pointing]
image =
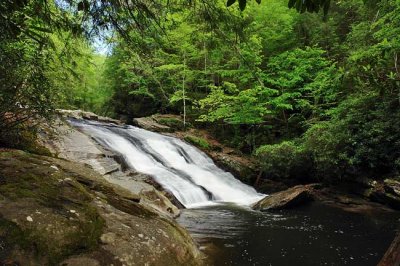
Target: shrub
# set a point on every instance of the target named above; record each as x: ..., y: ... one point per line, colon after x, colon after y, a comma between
x: 285, y: 160
x: 361, y: 139
x: 329, y: 149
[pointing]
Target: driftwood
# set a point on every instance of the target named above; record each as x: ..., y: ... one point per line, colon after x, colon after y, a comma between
x: 392, y: 255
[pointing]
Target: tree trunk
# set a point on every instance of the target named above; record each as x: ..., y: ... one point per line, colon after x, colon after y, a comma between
x: 183, y: 92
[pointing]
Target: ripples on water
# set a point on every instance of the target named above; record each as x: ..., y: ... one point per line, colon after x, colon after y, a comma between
x: 313, y: 235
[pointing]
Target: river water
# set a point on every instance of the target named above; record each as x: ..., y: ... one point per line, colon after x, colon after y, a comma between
x: 228, y: 231
x: 311, y: 235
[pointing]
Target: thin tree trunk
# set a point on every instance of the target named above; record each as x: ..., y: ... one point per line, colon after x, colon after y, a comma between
x: 183, y: 91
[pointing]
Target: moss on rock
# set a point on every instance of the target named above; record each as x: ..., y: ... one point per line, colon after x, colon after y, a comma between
x: 57, y: 212
x: 198, y: 142
x: 44, y: 212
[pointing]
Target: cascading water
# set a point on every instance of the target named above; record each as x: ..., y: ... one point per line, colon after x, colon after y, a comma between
x: 180, y: 168
x: 310, y: 235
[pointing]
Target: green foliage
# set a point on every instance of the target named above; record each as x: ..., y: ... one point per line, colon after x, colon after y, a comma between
x: 351, y: 111
x: 299, y: 83
x: 198, y: 141
x: 42, y: 61
x: 286, y: 160
x: 305, y: 80
x: 262, y: 73
x: 247, y: 107
x: 362, y: 138
x: 25, y: 90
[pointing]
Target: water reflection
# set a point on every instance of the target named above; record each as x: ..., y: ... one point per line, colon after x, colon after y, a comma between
x: 313, y: 235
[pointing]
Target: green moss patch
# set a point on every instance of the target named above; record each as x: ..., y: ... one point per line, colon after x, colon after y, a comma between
x: 198, y: 142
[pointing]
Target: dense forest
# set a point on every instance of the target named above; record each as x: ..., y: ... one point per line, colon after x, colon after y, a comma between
x: 313, y: 91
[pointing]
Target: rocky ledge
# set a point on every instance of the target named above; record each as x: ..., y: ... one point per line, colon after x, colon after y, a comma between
x: 384, y: 191
x: 84, y: 208
x: 303, y: 194
x: 286, y: 199
x: 53, y: 211
x: 79, y: 114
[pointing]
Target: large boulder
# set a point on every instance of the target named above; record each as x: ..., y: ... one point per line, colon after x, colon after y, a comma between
x: 286, y: 199
x: 55, y: 212
x: 386, y: 192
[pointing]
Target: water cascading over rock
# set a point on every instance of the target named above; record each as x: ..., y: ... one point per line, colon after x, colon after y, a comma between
x: 180, y: 168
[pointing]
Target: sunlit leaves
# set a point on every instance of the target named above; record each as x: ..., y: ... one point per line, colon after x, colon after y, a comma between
x: 246, y: 107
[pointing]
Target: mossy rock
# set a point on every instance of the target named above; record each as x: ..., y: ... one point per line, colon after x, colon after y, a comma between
x: 198, y: 142
x: 173, y: 123
x: 55, y: 212
x: 45, y: 215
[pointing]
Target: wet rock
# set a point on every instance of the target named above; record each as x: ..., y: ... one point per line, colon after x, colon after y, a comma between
x: 341, y: 198
x: 151, y: 124
x: 143, y: 240
x: 286, y: 199
x: 386, y: 192
x: 171, y: 197
x: 392, y: 255
x: 392, y: 186
x: 241, y: 167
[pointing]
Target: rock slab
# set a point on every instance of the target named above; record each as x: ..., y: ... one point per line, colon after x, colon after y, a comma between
x: 392, y: 255
x: 286, y: 199
x: 386, y: 192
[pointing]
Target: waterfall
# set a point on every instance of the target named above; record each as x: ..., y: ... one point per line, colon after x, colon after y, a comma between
x: 185, y: 171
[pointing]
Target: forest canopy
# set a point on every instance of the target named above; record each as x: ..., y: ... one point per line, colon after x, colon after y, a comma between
x: 315, y: 84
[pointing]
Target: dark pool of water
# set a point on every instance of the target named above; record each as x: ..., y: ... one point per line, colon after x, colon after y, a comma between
x: 312, y: 235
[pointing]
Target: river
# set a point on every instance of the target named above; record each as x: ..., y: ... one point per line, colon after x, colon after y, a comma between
x: 217, y: 213
x: 311, y: 235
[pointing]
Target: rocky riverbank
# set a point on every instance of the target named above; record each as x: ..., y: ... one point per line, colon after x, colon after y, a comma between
x: 72, y: 210
x: 55, y: 211
x: 369, y: 197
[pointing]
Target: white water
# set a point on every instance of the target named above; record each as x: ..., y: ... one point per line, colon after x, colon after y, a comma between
x: 180, y: 168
